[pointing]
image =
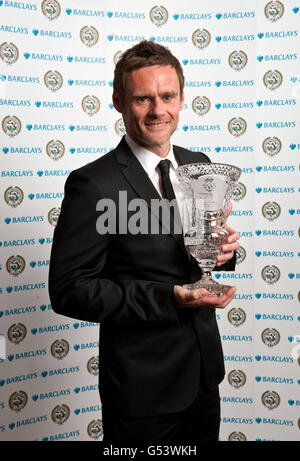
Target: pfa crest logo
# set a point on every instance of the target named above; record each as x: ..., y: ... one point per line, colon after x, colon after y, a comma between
x: 201, y: 38
x: 159, y: 15
x: 201, y: 105
x: 117, y: 57
x: 237, y: 60
x: 240, y: 255
x: 15, y: 265
x: 273, y: 79
x: 9, y: 53
x: 55, y: 149
x: 59, y: 349
x: 90, y: 105
x: 51, y: 9
x: 236, y: 316
x: 270, y: 399
x: 271, y: 210
x: 53, y: 80
x: 16, y: 333
x: 274, y: 11
x: 237, y: 126
x: 53, y: 216
x: 11, y: 125
x: 270, y: 274
x: 272, y: 146
x: 239, y: 191
x: 13, y: 196
x: 270, y: 337
x: 237, y: 437
x: 120, y: 127
x: 93, y: 366
x: 18, y: 400
x: 60, y: 414
x: 236, y: 378
x: 95, y: 429
x: 89, y: 36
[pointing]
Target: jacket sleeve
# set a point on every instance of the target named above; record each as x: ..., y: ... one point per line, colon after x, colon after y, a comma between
x: 78, y: 287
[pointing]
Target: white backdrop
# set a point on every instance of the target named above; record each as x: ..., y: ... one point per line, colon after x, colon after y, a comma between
x: 241, y: 63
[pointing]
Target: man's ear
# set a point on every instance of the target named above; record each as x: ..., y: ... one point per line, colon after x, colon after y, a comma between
x: 117, y: 102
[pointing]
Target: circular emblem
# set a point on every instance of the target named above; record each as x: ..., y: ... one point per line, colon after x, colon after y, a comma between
x: 15, y: 265
x: 271, y: 210
x: 13, y: 196
x: 120, y: 127
x: 90, y: 105
x: 236, y: 316
x: 274, y: 11
x: 270, y: 399
x: 18, y: 400
x: 93, y: 366
x: 9, y: 53
x: 236, y: 378
x: 238, y: 60
x: 270, y: 337
x: 16, y: 333
x: 239, y: 191
x: 240, y: 255
x: 11, y: 125
x: 117, y: 57
x: 201, y: 38
x: 237, y: 437
x: 272, y: 146
x: 270, y: 274
x: 59, y: 349
x: 159, y: 15
x: 201, y: 105
x: 53, y: 80
x: 55, y: 149
x: 89, y: 36
x: 53, y: 216
x: 273, y: 79
x: 95, y: 429
x: 51, y: 9
x: 60, y: 414
x: 237, y: 126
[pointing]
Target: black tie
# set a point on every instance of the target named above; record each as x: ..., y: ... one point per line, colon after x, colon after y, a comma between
x: 167, y: 188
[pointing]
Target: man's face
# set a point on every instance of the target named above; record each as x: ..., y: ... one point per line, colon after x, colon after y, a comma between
x: 151, y: 106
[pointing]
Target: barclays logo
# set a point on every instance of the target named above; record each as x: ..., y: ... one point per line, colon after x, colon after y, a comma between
x: 88, y: 150
x: 17, y: 243
x: 19, y: 378
x: 60, y: 371
x: 16, y: 173
x: 276, y: 168
x: 247, y: 400
x: 274, y: 379
x: 54, y: 104
x: 234, y: 83
x: 46, y: 195
x: 92, y: 128
x: 90, y: 409
x: 241, y: 213
x: 198, y: 84
x: 170, y: 39
x: 237, y: 420
x: 22, y: 150
x: 15, y: 102
x: 92, y: 387
x: 45, y: 127
x: 244, y: 338
x: 20, y: 5
x: 192, y: 16
x: 51, y: 33
x: 18, y: 310
x: 236, y: 15
x: 26, y: 287
x: 280, y: 317
x: 94, y: 83
x: 277, y: 254
x: 234, y: 105
x: 19, y: 78
x: 238, y: 358
x: 24, y: 219
x: 125, y: 15
x: 279, y: 34
x: 201, y: 128
x: 234, y: 149
x: 27, y: 354
x: 51, y: 394
x: 125, y: 38
x: 14, y: 29
x: 278, y: 57
x: 44, y: 56
x: 61, y: 436
x: 275, y: 190
x: 235, y: 38
x: 205, y: 149
x: 86, y: 13
x: 202, y: 61
x: 86, y: 59
x: 276, y: 421
x: 275, y: 233
x: 50, y: 328
x: 276, y: 102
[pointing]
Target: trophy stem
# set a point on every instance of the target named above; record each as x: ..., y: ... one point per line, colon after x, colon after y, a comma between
x: 208, y: 283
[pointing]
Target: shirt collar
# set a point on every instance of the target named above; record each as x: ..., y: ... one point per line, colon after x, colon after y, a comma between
x: 148, y: 159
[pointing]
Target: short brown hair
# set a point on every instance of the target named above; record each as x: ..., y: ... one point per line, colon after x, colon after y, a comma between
x: 144, y: 54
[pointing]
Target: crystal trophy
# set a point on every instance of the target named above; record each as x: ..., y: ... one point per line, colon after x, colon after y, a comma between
x: 207, y: 191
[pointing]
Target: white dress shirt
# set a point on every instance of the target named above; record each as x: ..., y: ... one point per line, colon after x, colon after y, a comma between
x: 149, y: 162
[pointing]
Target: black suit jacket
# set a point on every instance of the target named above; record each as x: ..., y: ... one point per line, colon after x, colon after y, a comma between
x: 151, y: 352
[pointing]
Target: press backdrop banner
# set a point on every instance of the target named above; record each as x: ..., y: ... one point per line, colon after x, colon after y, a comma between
x: 241, y: 63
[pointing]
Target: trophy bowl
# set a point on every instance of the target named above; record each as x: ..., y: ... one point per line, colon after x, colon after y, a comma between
x: 207, y: 191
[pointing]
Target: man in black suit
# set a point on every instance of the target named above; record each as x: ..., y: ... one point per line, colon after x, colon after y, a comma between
x: 160, y: 352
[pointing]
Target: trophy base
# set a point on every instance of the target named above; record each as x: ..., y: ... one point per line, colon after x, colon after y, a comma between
x: 211, y: 286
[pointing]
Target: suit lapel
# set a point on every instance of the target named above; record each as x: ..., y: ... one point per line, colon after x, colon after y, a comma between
x: 141, y: 183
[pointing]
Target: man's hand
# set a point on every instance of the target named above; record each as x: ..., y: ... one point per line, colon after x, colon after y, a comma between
x: 200, y: 297
x: 232, y: 242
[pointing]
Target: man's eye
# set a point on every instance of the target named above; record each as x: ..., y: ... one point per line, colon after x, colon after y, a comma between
x: 142, y: 99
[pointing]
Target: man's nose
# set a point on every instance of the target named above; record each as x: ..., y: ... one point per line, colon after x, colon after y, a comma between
x: 157, y: 107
